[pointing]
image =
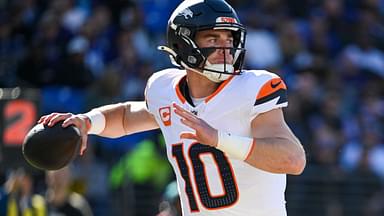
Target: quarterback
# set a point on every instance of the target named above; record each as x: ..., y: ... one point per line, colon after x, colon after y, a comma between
x: 224, y: 127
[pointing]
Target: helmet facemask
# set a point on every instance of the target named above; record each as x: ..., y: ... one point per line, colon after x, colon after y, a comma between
x: 220, y: 71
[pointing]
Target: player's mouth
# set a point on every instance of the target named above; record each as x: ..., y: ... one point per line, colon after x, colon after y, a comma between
x: 220, y: 61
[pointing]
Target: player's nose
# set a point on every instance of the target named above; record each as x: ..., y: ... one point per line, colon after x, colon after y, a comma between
x: 225, y: 53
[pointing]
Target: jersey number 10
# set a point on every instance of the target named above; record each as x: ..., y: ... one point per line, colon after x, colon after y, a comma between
x: 230, y: 195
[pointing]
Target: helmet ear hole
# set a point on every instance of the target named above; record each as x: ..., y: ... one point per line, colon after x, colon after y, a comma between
x: 192, y: 57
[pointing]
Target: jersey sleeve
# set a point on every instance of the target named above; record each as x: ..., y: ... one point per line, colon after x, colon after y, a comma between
x: 146, y: 93
x: 149, y: 92
x: 271, y: 94
x: 159, y: 88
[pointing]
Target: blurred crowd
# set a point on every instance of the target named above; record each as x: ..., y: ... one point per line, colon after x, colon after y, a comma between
x: 85, y: 53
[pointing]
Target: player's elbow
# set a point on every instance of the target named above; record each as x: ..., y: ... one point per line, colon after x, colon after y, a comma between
x: 296, y: 164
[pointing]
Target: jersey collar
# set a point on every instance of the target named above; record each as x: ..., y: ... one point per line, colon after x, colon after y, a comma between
x: 182, y: 90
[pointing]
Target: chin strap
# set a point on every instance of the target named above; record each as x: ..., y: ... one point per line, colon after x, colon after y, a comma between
x: 168, y: 50
x: 172, y: 54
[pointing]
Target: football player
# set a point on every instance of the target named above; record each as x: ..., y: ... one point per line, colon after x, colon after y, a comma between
x: 225, y: 132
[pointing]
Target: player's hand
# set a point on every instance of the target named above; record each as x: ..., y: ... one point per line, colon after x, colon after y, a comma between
x: 81, y: 121
x: 204, y: 133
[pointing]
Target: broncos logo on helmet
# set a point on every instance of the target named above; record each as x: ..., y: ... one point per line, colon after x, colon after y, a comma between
x: 187, y: 13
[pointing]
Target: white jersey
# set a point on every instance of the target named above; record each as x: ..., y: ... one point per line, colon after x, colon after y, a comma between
x: 209, y: 181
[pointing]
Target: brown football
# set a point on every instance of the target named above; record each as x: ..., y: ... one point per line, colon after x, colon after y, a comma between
x: 51, y: 148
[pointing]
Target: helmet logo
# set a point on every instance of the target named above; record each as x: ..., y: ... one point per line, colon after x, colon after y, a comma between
x: 187, y: 13
x: 226, y: 20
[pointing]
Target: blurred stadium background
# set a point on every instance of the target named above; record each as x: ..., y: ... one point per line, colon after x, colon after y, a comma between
x: 72, y: 55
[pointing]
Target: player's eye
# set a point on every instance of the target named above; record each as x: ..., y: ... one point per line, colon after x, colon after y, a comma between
x: 230, y: 41
x: 212, y: 40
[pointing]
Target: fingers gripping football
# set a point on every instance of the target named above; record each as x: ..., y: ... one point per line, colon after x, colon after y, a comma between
x: 204, y: 133
x: 80, y: 121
